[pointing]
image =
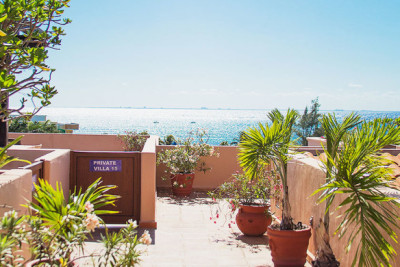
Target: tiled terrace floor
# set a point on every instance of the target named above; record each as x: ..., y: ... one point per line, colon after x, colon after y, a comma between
x: 187, y: 237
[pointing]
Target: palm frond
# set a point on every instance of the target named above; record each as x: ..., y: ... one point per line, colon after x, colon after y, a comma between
x: 269, y: 144
x: 358, y: 171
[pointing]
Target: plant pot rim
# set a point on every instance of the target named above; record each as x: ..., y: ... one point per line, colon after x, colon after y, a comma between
x: 254, y: 205
x: 272, y: 228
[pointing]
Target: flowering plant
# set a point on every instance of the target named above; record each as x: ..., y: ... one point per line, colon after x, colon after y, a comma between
x: 133, y: 141
x: 58, y: 227
x: 243, y: 190
x: 186, y: 156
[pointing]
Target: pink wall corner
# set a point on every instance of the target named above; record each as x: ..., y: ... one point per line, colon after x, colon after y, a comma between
x: 222, y: 168
x: 26, y: 154
x: 148, y: 184
x: 15, y: 190
x: 57, y: 168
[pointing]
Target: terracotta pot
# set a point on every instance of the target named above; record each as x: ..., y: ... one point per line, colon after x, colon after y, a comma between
x: 289, y: 247
x: 182, y: 184
x: 253, y: 220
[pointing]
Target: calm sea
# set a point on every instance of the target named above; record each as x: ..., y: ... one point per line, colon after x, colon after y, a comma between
x: 222, y: 125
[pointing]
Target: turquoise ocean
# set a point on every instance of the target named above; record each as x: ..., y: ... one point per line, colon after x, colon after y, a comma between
x: 222, y: 124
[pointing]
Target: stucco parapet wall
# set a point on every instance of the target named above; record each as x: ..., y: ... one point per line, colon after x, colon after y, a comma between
x: 54, y: 154
x: 148, y: 184
x: 84, y: 142
x: 150, y: 145
x: 316, y: 141
x: 15, y: 189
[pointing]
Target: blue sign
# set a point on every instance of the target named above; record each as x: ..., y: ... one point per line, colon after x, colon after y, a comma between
x: 105, y: 165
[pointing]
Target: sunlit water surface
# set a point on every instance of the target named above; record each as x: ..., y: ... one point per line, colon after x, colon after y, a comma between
x: 222, y: 125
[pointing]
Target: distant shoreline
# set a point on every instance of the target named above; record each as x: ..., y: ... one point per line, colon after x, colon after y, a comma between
x: 203, y: 108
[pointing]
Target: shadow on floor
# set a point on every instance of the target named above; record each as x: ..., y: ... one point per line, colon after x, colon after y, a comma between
x: 254, y: 243
x: 166, y: 196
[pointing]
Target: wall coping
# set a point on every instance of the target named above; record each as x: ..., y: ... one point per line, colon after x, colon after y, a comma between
x: 7, y: 176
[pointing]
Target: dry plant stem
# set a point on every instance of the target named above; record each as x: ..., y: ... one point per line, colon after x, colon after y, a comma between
x: 324, y: 255
x: 286, y: 223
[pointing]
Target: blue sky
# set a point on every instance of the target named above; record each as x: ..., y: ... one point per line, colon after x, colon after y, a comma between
x: 230, y: 54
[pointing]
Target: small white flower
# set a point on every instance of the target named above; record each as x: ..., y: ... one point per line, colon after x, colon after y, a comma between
x: 89, y: 206
x: 132, y: 223
x: 91, y: 221
x: 145, y: 238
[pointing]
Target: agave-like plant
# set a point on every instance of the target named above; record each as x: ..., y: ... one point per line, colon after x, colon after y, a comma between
x: 268, y: 144
x: 356, y: 169
x: 68, y: 219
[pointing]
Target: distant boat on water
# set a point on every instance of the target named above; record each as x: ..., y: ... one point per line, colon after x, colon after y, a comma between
x: 193, y: 122
x: 156, y: 122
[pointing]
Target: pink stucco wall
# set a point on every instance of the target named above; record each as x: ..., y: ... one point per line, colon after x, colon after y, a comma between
x: 304, y: 177
x: 222, y: 168
x: 88, y: 142
x: 56, y: 163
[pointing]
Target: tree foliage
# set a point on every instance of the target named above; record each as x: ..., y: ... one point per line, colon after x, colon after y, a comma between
x: 308, y: 124
x: 28, y: 30
x: 21, y: 125
x: 356, y: 169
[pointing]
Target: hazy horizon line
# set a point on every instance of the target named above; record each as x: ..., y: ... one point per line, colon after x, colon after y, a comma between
x: 206, y: 108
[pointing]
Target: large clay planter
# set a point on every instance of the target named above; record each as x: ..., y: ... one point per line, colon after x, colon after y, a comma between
x: 182, y: 184
x: 253, y: 220
x: 288, y: 248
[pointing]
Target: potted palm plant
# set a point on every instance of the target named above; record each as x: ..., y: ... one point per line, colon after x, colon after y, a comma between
x: 182, y: 160
x: 251, y: 199
x: 270, y: 144
x: 356, y: 170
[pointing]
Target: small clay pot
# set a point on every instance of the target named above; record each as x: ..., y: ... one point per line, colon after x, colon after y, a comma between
x: 253, y: 220
x: 182, y: 184
x: 288, y: 247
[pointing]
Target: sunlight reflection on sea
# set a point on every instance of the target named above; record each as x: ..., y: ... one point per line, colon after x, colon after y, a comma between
x: 222, y: 125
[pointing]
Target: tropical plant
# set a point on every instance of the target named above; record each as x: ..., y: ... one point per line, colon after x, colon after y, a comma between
x: 59, y: 226
x: 22, y: 125
x: 355, y: 169
x: 68, y: 220
x: 270, y: 144
x: 28, y: 30
x: 334, y: 131
x: 238, y: 139
x: 308, y: 124
x: 10, y: 239
x: 243, y: 190
x: 5, y: 159
x: 133, y: 141
x: 186, y: 156
x: 168, y: 140
x: 120, y: 249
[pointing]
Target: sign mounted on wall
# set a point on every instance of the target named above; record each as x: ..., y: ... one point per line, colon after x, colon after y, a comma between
x: 104, y: 165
